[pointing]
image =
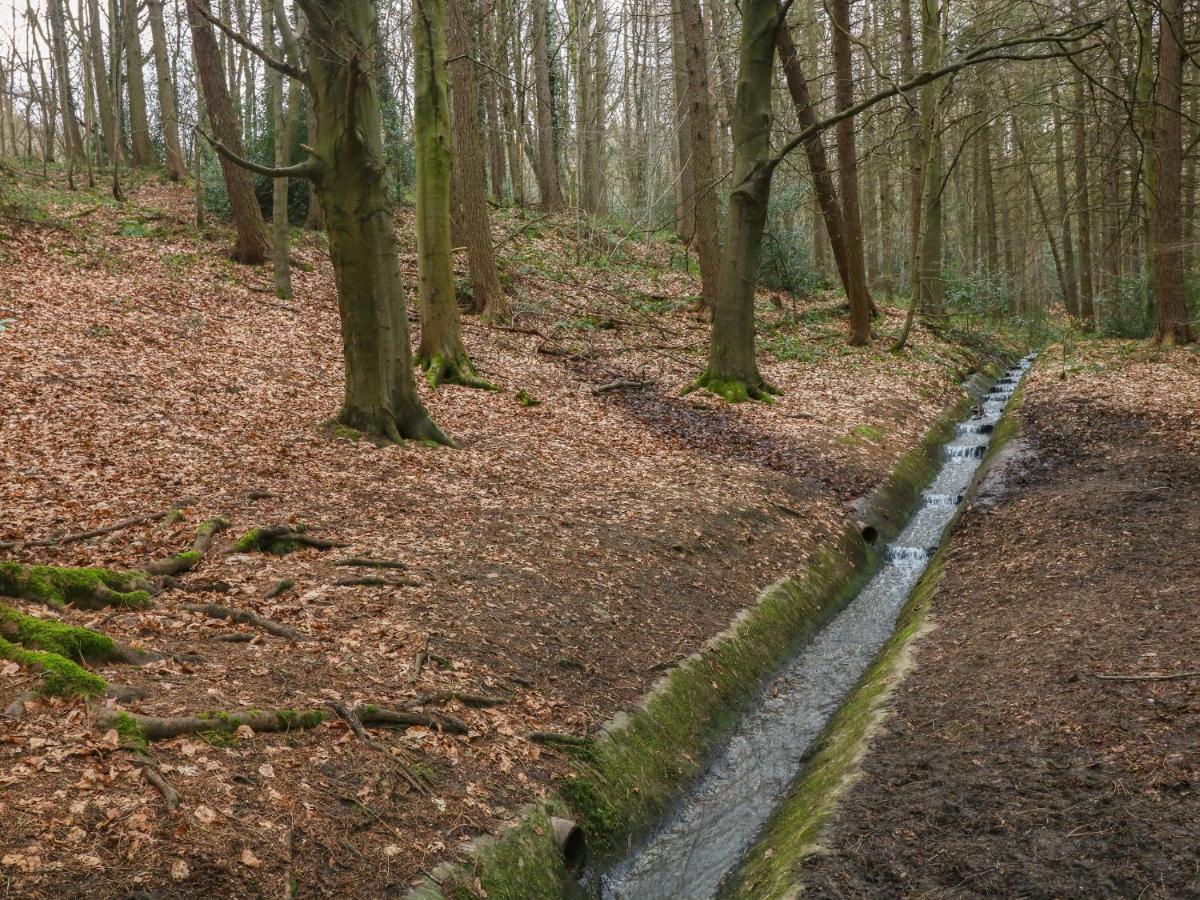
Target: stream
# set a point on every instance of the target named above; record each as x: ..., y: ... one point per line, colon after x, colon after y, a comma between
x: 721, y: 817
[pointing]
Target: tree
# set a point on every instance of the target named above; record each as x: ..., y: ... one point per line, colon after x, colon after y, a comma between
x: 441, y: 352
x: 1171, y: 325
x: 166, y: 92
x: 253, y: 245
x: 856, y: 287
x: 139, y: 126
x: 699, y: 118
x: 349, y: 171
x: 732, y: 370
x: 488, y: 297
x: 547, y: 156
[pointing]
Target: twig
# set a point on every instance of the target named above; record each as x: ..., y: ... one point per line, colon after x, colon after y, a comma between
x: 152, y: 774
x: 1149, y: 676
x: 77, y: 536
x: 217, y: 611
x: 621, y: 384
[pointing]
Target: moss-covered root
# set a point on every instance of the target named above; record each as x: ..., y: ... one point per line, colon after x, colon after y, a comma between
x: 178, y: 563
x: 735, y: 390
x: 53, y: 636
x: 154, y: 728
x: 441, y: 369
x: 279, y: 540
x: 87, y: 588
x: 60, y: 676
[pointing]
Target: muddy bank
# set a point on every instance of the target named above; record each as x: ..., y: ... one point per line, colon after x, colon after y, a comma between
x: 1018, y: 760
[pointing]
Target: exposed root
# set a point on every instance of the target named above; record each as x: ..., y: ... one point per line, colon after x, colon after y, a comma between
x: 383, y: 427
x: 178, y: 563
x: 153, y: 774
x: 52, y: 636
x: 60, y: 676
x: 77, y: 536
x: 216, y: 611
x: 133, y: 726
x: 554, y: 737
x: 735, y: 390
x: 282, y: 585
x: 478, y: 701
x: 368, y: 563
x: 377, y: 581
x: 279, y: 540
x: 352, y: 721
x: 87, y: 588
x: 444, y: 370
x: 623, y: 384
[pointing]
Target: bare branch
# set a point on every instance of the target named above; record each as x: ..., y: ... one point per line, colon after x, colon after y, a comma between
x: 309, y: 168
x: 277, y: 64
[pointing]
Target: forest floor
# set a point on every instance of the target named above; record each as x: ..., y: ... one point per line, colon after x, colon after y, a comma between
x: 579, y: 543
x: 1047, y: 743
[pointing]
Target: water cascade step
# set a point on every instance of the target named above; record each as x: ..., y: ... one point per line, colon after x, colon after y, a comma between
x: 718, y: 821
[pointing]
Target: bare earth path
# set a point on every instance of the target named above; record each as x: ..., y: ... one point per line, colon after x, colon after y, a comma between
x: 1015, y: 764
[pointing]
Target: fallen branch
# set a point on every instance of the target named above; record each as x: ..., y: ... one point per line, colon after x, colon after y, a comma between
x: 77, y: 536
x: 178, y: 563
x: 1150, y: 676
x: 621, y: 384
x: 477, y: 701
x: 367, y: 562
x: 376, y: 581
x: 216, y: 611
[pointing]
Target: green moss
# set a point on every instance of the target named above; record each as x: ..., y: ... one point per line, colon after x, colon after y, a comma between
x: 291, y: 720
x: 524, y: 865
x: 128, y: 730
x: 260, y: 540
x: 60, y: 676
x: 734, y: 390
x: 250, y: 541
x: 773, y: 866
x: 58, y: 585
x: 527, y: 399
x: 51, y: 635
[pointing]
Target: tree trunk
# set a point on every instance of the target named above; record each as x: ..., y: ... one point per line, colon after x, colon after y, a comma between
x: 488, y: 296
x: 932, y: 289
x: 1070, y: 281
x: 700, y: 120
x: 495, y: 125
x: 1171, y: 324
x: 253, y: 244
x: 351, y: 179
x: 441, y: 353
x: 814, y: 149
x: 139, y: 126
x: 100, y: 79
x: 1083, y: 190
x: 280, y: 236
x: 685, y: 186
x: 732, y: 365
x: 547, y: 167
x: 72, y: 139
x: 857, y: 292
x: 166, y: 92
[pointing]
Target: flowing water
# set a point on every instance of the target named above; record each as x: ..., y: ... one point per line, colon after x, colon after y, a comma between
x: 722, y: 816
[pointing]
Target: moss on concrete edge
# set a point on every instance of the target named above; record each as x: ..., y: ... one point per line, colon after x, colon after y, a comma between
x: 772, y: 868
x: 623, y: 782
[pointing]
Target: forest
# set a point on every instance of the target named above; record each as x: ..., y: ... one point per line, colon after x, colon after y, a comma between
x: 626, y: 449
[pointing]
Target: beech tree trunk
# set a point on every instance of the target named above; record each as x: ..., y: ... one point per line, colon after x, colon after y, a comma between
x: 350, y: 175
x: 441, y: 352
x: 547, y: 159
x: 685, y: 186
x: 700, y: 121
x: 856, y: 290
x: 100, y: 80
x: 488, y: 297
x: 166, y: 92
x: 732, y: 365
x: 72, y: 139
x: 1171, y: 324
x: 280, y: 234
x: 139, y: 126
x: 253, y: 245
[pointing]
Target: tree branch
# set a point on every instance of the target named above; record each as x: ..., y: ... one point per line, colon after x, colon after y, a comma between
x: 277, y: 64
x: 987, y: 53
x: 309, y: 168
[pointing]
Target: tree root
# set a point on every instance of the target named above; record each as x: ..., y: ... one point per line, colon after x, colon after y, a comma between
x: 134, y: 727
x: 735, y: 390
x: 355, y: 725
x: 77, y: 536
x: 555, y: 737
x: 384, y: 427
x: 217, y: 611
x: 178, y: 563
x: 377, y: 581
x: 477, y: 701
x: 60, y: 676
x: 443, y: 370
x: 279, y: 540
x: 154, y: 776
x: 87, y: 588
x: 282, y: 585
x: 366, y: 562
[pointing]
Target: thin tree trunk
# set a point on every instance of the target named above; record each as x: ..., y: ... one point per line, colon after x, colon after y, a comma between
x: 1070, y: 282
x: 253, y: 244
x: 932, y: 288
x: 685, y: 185
x: 547, y: 168
x: 1083, y: 191
x: 857, y: 293
x: 100, y: 79
x: 139, y: 126
x: 280, y: 235
x: 699, y: 118
x: 488, y: 296
x: 1171, y: 324
x: 72, y: 139
x: 166, y: 92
